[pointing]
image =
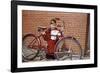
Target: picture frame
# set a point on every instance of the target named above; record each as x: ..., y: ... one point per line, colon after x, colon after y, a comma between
x: 20, y: 10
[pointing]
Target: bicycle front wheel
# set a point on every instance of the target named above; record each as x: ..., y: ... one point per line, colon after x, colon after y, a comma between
x: 30, y: 47
x: 68, y: 48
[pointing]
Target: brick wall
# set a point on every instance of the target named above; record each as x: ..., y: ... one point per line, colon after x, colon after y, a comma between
x: 75, y: 23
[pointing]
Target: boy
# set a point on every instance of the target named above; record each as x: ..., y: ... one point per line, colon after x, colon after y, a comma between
x: 51, y: 35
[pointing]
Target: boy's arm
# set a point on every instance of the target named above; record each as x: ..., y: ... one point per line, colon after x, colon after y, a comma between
x: 60, y: 35
x: 46, y: 35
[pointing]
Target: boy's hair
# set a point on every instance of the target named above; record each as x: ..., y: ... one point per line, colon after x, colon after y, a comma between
x: 55, y: 20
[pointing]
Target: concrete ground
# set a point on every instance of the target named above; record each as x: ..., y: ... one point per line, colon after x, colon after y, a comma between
x: 30, y: 53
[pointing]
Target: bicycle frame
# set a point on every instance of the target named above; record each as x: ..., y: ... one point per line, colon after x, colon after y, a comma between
x: 41, y: 47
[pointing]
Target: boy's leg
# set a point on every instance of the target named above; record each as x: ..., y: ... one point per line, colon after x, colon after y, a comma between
x: 50, y: 56
x: 50, y: 49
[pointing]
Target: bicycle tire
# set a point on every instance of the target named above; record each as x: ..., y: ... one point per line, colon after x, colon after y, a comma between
x: 30, y: 49
x: 72, y: 51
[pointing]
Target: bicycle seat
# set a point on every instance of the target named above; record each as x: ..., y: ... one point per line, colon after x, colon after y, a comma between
x: 41, y: 28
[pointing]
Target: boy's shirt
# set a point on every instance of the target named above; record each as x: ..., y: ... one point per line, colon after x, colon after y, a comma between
x: 53, y: 34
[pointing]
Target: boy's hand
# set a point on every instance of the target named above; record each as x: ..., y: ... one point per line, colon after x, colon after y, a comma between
x: 60, y: 38
x: 42, y: 32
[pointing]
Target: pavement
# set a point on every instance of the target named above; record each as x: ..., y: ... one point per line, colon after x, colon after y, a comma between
x: 30, y: 53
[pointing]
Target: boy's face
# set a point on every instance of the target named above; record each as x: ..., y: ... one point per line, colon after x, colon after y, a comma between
x: 59, y: 23
x: 53, y: 25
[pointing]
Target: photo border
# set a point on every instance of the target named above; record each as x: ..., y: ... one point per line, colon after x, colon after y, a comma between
x: 14, y: 38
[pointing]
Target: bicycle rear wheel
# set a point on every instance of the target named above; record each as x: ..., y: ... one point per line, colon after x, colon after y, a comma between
x: 68, y: 48
x: 30, y: 47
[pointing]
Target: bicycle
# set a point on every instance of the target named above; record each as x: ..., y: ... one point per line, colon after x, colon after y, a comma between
x: 66, y: 48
